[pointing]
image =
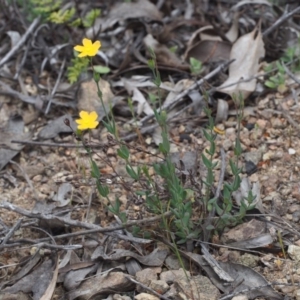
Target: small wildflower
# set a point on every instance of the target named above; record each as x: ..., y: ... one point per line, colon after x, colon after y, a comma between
x: 87, y: 120
x: 88, y: 48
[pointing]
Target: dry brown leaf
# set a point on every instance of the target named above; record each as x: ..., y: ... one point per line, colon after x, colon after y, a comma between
x: 51, y: 287
x: 136, y: 96
x: 41, y: 281
x: 179, y: 87
x: 209, y: 51
x: 222, y: 111
x: 123, y: 11
x: 244, y: 190
x: 155, y: 258
x: 14, y: 37
x: 233, y: 32
x: 244, y: 2
x: 163, y: 54
x: 57, y: 126
x: 14, y: 130
x: 206, y: 45
x: 104, y: 284
x: 141, y: 81
x: 201, y: 34
x: 246, y: 51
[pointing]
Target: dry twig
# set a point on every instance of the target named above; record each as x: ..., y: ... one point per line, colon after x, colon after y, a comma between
x: 20, y: 43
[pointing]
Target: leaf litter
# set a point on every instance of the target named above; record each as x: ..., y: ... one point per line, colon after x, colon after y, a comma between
x: 92, y: 253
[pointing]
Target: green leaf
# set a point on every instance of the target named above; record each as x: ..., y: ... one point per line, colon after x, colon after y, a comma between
x: 238, y: 147
x: 164, y: 147
x: 152, y: 98
x: 62, y: 16
x: 182, y: 241
x: 123, y: 152
x: 90, y: 17
x: 212, y: 148
x: 173, y: 49
x: 280, y: 67
x: 219, y: 210
x: 131, y: 172
x: 95, y: 172
x: 186, y: 219
x: 226, y: 217
x: 193, y: 235
x: 141, y: 193
x: 268, y: 68
x: 101, y: 69
x: 207, y: 135
x: 270, y: 84
x: 236, y: 183
x: 102, y: 189
x: 123, y: 217
x: 212, y: 200
x: 206, y: 161
x: 226, y: 193
x: 210, y: 177
x: 135, y: 230
x: 209, y: 207
x: 79, y: 65
x: 151, y: 64
x: 210, y: 227
x: 195, y: 66
x: 145, y: 170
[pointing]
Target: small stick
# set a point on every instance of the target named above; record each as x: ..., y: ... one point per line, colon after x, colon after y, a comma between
x: 20, y: 43
x: 215, y: 265
x: 193, y: 86
x: 55, y: 86
x: 287, y: 70
x: 146, y: 287
x: 11, y: 231
x: 282, y: 19
x: 33, y: 143
x: 245, y: 291
x: 91, y: 228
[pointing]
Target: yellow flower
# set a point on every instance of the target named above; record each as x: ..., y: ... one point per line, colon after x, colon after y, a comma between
x: 88, y: 48
x: 87, y: 120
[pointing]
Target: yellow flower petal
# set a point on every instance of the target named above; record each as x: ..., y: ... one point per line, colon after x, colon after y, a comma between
x: 86, y: 42
x: 84, y: 114
x: 87, y: 120
x: 93, y: 116
x: 97, y: 45
x: 79, y: 48
x: 88, y: 48
x: 82, y: 55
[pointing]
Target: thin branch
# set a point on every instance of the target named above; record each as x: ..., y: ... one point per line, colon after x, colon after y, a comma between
x: 42, y: 144
x: 55, y: 86
x: 11, y: 231
x: 20, y: 43
x: 7, y: 90
x: 92, y: 228
x: 281, y: 20
x: 26, y: 178
x: 287, y: 70
x: 178, y: 98
x: 146, y: 287
x: 245, y: 291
